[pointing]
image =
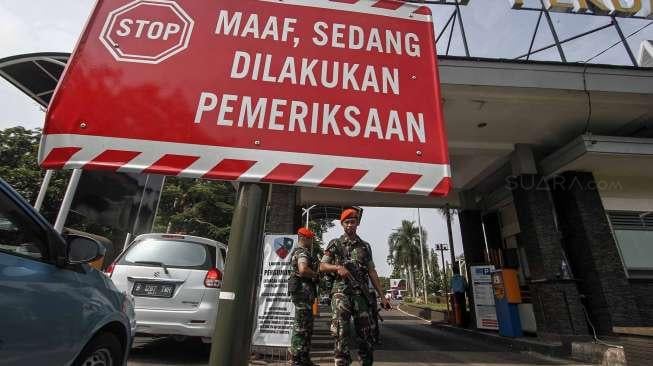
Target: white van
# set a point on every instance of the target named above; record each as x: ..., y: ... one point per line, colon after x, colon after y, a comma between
x: 175, y: 281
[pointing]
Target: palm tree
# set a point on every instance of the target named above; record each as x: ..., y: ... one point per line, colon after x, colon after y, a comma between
x: 404, y: 251
x: 448, y: 213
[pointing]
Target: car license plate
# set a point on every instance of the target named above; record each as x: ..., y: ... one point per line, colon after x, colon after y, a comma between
x: 153, y: 289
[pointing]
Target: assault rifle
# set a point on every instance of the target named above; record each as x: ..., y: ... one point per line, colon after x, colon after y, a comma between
x: 355, y: 284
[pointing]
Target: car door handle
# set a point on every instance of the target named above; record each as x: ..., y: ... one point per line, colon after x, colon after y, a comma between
x: 154, y: 279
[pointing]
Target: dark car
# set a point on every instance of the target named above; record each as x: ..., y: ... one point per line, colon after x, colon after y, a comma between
x: 56, y: 309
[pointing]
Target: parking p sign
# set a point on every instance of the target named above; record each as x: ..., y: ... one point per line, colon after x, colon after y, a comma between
x: 318, y: 93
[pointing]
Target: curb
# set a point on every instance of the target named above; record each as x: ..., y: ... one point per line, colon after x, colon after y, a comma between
x: 557, y: 349
x: 414, y: 316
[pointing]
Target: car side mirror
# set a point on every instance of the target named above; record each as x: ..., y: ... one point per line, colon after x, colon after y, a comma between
x: 82, y: 249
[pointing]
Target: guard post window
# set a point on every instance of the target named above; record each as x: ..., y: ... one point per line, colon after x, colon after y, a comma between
x: 633, y: 231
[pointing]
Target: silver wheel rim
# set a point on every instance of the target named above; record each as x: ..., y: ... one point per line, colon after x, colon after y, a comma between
x: 101, y: 357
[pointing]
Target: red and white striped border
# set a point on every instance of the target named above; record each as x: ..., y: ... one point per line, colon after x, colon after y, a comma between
x: 391, y: 8
x: 247, y: 165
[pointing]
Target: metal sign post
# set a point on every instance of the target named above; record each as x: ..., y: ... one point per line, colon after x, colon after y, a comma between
x: 232, y: 337
x: 43, y: 190
x: 67, y: 200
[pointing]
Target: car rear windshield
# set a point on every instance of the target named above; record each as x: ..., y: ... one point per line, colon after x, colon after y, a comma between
x: 171, y: 253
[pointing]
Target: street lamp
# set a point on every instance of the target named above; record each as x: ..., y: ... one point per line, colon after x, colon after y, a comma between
x: 307, y: 212
x: 442, y: 247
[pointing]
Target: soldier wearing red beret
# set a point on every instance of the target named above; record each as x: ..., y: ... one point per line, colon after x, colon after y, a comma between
x: 351, y: 258
x: 302, y: 290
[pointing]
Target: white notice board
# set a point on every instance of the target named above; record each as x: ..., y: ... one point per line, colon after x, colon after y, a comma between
x: 484, y: 308
x: 275, y: 310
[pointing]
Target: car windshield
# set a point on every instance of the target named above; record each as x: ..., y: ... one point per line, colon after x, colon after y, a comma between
x: 179, y: 254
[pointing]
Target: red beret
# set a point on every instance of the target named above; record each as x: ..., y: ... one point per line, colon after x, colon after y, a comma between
x: 350, y: 212
x: 305, y: 232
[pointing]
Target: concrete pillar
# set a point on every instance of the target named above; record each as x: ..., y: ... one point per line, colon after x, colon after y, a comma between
x: 471, y: 231
x: 493, y: 236
x: 593, y: 253
x: 557, y: 305
x: 282, y: 210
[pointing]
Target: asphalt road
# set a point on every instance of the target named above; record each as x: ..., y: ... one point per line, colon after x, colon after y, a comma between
x: 405, y: 341
x: 410, y: 341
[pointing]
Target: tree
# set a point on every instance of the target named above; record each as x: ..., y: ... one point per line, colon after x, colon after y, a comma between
x: 434, y: 282
x: 18, y: 149
x: 449, y: 214
x: 319, y: 227
x: 196, y: 207
x: 385, y: 283
x: 396, y: 271
x: 404, y: 250
x: 18, y: 167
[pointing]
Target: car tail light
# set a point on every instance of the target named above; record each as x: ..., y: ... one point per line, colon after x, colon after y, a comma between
x: 213, y: 278
x: 109, y: 270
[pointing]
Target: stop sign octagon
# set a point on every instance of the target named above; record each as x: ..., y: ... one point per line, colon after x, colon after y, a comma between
x: 147, y: 31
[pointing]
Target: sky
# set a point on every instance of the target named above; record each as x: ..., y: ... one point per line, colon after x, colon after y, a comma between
x: 493, y: 30
x: 379, y: 222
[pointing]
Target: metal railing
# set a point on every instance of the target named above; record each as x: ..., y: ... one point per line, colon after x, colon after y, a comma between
x: 457, y: 25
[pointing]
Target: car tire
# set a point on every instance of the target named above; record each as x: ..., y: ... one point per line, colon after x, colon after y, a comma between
x: 103, y: 350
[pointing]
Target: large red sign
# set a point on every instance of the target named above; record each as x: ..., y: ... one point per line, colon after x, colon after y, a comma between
x: 340, y: 93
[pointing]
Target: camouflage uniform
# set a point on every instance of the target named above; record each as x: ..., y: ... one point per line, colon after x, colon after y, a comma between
x: 302, y: 298
x: 349, y: 298
x: 374, y: 317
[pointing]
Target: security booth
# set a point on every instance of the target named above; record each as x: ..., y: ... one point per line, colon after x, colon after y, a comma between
x: 506, y: 297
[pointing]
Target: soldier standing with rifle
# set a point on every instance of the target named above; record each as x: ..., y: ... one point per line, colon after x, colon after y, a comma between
x: 351, y: 258
x: 302, y: 288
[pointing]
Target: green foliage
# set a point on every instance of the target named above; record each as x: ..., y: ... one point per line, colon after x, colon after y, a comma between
x: 18, y: 167
x: 385, y: 283
x: 437, y: 306
x: 193, y: 206
x: 196, y: 207
x: 403, y: 245
x: 18, y: 149
x: 396, y: 272
x: 435, y: 281
x: 319, y: 227
x: 404, y: 251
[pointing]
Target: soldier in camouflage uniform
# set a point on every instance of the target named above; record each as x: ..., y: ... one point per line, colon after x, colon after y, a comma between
x: 351, y: 258
x: 302, y: 289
